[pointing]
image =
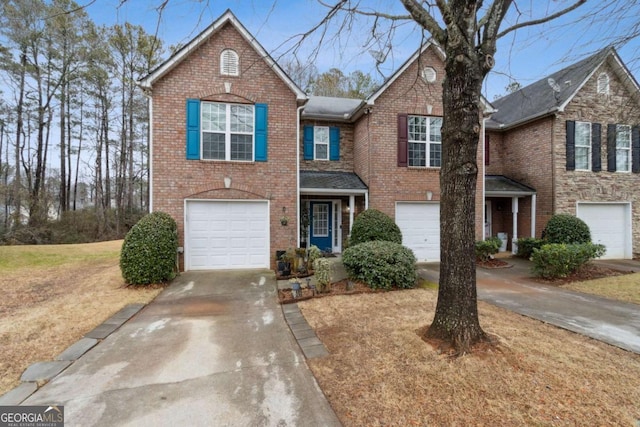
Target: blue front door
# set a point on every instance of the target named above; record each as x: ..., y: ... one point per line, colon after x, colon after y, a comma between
x: 321, y: 230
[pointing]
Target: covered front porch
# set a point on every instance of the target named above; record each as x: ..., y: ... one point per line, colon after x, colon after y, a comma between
x: 509, y: 210
x: 329, y: 202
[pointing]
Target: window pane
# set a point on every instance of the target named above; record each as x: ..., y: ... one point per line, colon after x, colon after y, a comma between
x: 320, y: 220
x: 213, y: 146
x: 434, y: 129
x: 623, y: 136
x: 582, y: 158
x: 213, y: 117
x: 583, y: 134
x: 241, y: 147
x: 417, y: 128
x: 417, y: 154
x: 622, y: 160
x: 435, y: 155
x: 322, y: 152
x: 241, y: 118
x: 321, y: 134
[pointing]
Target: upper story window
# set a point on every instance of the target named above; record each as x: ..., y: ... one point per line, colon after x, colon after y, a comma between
x: 623, y: 148
x: 321, y: 143
x: 227, y: 131
x: 603, y: 84
x: 583, y: 145
x: 229, y: 63
x: 424, y: 141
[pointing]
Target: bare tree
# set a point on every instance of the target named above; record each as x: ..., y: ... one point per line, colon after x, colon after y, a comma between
x: 467, y: 31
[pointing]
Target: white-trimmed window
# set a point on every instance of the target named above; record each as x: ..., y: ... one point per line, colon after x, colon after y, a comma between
x: 623, y: 148
x: 227, y: 131
x: 425, y: 141
x: 603, y: 84
x: 583, y: 146
x: 321, y: 143
x: 229, y: 63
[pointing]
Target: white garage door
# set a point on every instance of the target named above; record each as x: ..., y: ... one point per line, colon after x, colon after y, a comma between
x: 610, y: 225
x: 226, y: 235
x: 420, y: 226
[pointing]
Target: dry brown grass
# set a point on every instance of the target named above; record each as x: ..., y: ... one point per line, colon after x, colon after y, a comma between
x: 52, y: 295
x: 380, y: 372
x: 623, y: 288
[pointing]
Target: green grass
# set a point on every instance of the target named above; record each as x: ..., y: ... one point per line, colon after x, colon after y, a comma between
x: 623, y: 288
x: 14, y: 258
x: 426, y: 284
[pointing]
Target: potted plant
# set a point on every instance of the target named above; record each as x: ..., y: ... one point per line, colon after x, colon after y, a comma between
x: 284, y: 263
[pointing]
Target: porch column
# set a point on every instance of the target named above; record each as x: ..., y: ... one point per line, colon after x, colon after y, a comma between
x: 514, y: 210
x: 352, y: 208
x: 533, y: 216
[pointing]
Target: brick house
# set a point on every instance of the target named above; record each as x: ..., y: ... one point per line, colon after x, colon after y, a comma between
x: 248, y: 164
x: 569, y: 143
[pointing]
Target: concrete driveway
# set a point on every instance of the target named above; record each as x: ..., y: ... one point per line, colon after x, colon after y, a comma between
x: 212, y: 349
x: 616, y: 323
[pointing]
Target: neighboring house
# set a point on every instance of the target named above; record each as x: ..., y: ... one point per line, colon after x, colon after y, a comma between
x: 569, y: 143
x: 248, y: 164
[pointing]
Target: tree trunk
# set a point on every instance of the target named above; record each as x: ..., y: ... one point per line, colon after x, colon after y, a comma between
x: 456, y: 318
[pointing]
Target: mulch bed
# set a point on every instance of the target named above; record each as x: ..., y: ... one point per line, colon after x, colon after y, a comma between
x: 493, y: 263
x: 586, y: 272
x: 338, y: 288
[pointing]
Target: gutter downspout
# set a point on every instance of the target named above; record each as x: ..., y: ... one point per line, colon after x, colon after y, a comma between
x: 298, y: 118
x: 484, y: 180
x: 150, y: 140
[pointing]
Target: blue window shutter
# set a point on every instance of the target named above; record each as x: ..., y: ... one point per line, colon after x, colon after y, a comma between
x: 193, y: 129
x: 261, y: 132
x: 334, y: 143
x: 308, y: 143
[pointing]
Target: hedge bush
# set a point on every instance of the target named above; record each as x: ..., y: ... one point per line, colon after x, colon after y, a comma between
x: 568, y: 229
x: 149, y: 250
x: 555, y: 260
x: 381, y: 265
x: 526, y: 245
x: 486, y: 248
x: 373, y: 225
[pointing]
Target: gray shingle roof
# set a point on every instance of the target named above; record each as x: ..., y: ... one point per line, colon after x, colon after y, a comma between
x: 539, y: 99
x: 502, y: 184
x: 331, y: 180
x: 327, y: 107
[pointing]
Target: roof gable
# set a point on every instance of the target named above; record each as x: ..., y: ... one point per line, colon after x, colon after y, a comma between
x: 148, y: 81
x: 553, y: 93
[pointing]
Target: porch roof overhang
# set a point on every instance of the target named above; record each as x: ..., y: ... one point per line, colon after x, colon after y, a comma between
x: 501, y: 186
x: 331, y: 183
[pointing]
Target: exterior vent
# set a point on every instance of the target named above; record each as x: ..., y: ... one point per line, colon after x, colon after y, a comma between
x: 229, y: 63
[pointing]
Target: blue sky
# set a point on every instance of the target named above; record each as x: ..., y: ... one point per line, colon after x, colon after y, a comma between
x: 526, y: 56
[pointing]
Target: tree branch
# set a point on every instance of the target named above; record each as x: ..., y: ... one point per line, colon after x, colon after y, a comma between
x: 577, y: 4
x: 424, y: 18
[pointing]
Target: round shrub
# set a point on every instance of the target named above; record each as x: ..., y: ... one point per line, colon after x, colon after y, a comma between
x: 381, y: 265
x: 567, y: 229
x: 374, y: 225
x: 149, y: 250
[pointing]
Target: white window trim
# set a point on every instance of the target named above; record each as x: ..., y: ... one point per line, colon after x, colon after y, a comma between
x: 228, y: 133
x: 228, y: 68
x: 588, y: 146
x: 427, y: 142
x: 317, y: 143
x: 628, y: 148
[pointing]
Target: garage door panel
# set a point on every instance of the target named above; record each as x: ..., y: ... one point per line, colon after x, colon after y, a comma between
x: 420, y: 226
x: 609, y: 225
x: 227, y: 234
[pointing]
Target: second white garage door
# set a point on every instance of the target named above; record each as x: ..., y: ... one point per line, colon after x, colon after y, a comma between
x: 610, y: 225
x: 420, y: 226
x: 226, y: 234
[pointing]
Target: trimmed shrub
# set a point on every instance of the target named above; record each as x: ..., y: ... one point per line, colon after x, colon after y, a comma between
x: 149, y: 250
x: 374, y: 225
x: 381, y: 265
x: 526, y: 245
x: 555, y: 260
x: 322, y: 271
x: 486, y: 248
x: 565, y: 228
